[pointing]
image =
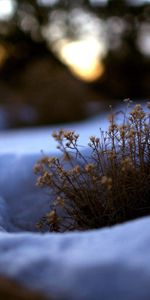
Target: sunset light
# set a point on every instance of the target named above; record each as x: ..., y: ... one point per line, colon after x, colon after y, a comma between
x: 83, y: 58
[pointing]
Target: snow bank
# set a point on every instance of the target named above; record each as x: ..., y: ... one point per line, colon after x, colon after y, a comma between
x: 4, y: 215
x: 107, y: 264
x: 34, y: 140
x: 24, y: 202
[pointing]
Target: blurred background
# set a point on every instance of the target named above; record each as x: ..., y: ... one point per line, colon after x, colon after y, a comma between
x: 66, y: 60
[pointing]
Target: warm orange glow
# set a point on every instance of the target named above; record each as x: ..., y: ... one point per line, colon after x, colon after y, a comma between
x: 90, y: 73
x: 3, y: 54
x: 83, y: 59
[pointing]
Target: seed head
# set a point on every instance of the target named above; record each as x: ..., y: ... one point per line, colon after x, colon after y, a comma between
x: 89, y: 168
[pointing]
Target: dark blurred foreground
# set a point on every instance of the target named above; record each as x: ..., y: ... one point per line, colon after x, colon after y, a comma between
x: 37, y: 87
x: 11, y: 290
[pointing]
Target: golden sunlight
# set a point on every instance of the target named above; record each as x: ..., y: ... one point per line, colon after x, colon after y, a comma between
x: 83, y: 58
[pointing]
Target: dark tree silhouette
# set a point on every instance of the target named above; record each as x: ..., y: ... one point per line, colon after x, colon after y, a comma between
x: 126, y: 67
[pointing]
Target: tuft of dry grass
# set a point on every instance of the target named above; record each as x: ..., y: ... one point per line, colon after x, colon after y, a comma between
x: 109, y: 185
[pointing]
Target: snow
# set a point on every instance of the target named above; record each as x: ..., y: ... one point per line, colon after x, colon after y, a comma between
x: 23, y: 141
x: 25, y: 202
x: 107, y: 264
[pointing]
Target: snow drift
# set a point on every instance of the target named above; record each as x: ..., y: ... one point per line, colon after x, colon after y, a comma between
x: 107, y: 264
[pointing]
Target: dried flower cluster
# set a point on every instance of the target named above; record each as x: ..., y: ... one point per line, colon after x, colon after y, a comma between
x: 109, y: 185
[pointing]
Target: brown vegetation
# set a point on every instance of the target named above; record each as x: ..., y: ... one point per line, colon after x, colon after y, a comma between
x: 109, y: 185
x: 10, y: 290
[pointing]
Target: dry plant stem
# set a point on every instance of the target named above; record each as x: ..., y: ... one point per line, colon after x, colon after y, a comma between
x: 109, y: 186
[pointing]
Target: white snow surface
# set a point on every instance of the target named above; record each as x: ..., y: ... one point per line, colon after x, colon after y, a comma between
x: 33, y: 140
x: 105, y: 264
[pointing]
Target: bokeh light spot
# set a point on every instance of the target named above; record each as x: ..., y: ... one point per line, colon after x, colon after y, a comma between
x: 6, y: 9
x: 83, y: 59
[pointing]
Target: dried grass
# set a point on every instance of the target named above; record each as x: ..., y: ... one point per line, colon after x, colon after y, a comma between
x: 110, y: 185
